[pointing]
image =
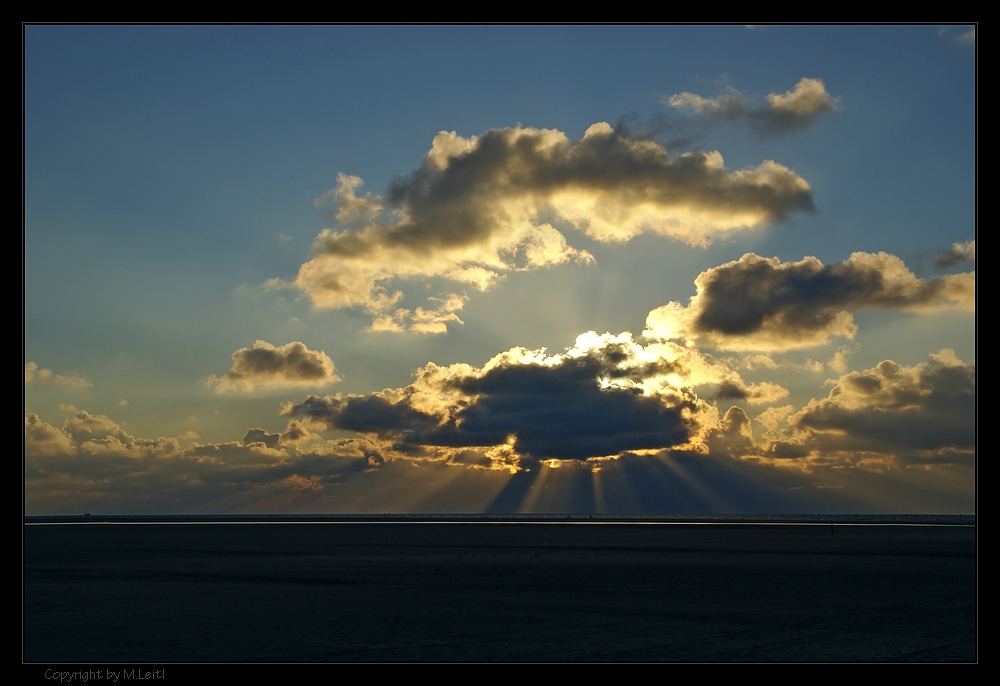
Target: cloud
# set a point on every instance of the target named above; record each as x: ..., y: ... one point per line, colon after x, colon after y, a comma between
x: 423, y: 320
x: 32, y: 374
x: 924, y: 414
x: 91, y: 458
x: 294, y: 433
x: 779, y: 114
x: 838, y: 362
x: 352, y: 475
x: 605, y: 395
x: 480, y: 207
x: 44, y: 439
x: 958, y: 253
x: 266, y: 366
x: 757, y: 303
x: 606, y: 404
x: 765, y: 392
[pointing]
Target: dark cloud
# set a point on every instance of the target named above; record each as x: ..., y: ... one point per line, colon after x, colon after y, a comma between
x: 365, y: 414
x: 777, y: 115
x: 561, y: 412
x: 731, y: 391
x: 549, y: 412
x: 268, y: 366
x: 478, y: 207
x: 604, y: 396
x: 261, y: 436
x: 762, y: 304
x: 959, y: 253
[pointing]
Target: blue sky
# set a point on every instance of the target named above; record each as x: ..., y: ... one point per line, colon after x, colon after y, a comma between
x: 179, y: 181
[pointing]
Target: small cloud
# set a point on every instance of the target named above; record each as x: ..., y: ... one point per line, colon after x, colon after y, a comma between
x: 123, y: 403
x: 34, y: 374
x: 779, y: 114
x: 838, y: 362
x: 423, y: 320
x: 283, y: 239
x: 958, y: 253
x: 266, y: 366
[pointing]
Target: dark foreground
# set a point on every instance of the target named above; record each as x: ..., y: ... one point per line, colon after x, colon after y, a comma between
x: 476, y: 591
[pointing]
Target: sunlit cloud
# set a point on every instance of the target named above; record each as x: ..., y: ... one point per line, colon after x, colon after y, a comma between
x: 756, y: 303
x: 923, y: 414
x: 265, y: 366
x: 838, y: 362
x: 480, y: 207
x: 34, y: 374
x: 423, y: 320
x: 777, y: 115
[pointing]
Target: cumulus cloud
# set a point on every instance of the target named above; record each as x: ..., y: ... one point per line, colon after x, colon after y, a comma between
x: 777, y: 115
x: 605, y: 395
x: 886, y: 417
x: 958, y: 253
x: 756, y: 303
x: 923, y: 414
x: 33, y: 374
x: 477, y: 208
x: 267, y: 366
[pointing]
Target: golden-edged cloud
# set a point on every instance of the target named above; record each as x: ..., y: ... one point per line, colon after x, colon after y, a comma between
x: 778, y: 114
x: 605, y: 395
x: 265, y: 366
x: 756, y: 303
x: 923, y: 414
x: 479, y: 207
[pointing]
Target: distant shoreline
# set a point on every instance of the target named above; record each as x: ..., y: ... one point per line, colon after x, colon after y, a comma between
x: 797, y: 519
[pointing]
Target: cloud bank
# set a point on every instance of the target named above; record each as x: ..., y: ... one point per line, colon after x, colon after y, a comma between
x: 756, y: 303
x: 778, y: 115
x: 92, y: 459
x: 607, y: 403
x: 479, y: 207
x: 265, y: 366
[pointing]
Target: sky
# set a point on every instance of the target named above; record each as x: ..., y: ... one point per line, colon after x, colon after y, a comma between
x: 583, y: 269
